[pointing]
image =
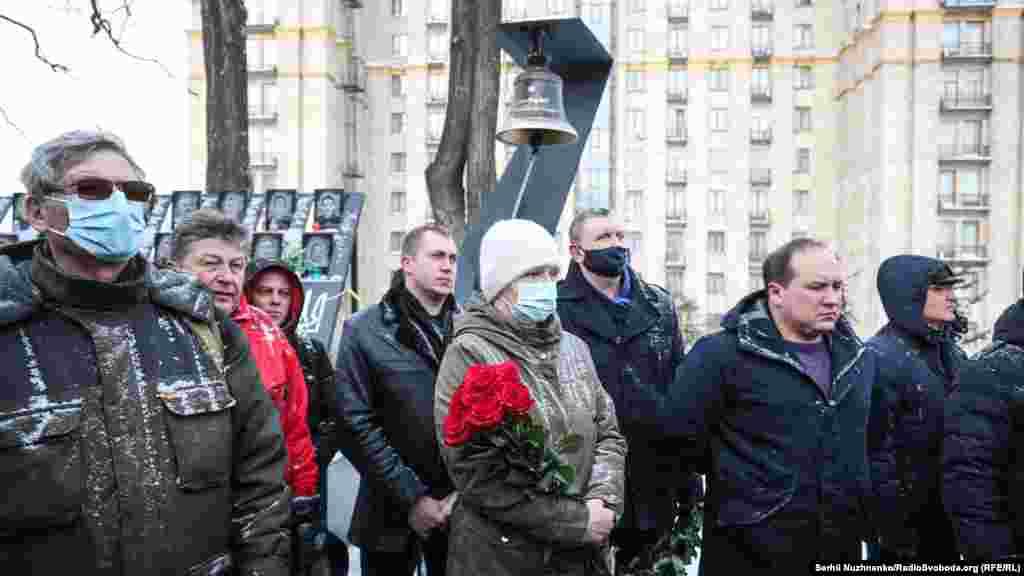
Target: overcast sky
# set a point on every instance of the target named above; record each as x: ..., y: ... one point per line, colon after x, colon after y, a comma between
x: 136, y: 100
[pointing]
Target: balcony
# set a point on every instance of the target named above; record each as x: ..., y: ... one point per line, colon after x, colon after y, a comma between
x: 675, y: 177
x: 968, y: 51
x: 675, y: 258
x: 262, y: 69
x: 966, y: 101
x: 262, y: 115
x: 965, y: 153
x: 437, y: 98
x: 675, y: 216
x: 437, y: 18
x: 677, y: 11
x: 757, y: 257
x: 677, y: 137
x: 760, y: 53
x: 433, y: 138
x: 353, y: 76
x: 964, y: 203
x: 352, y: 3
x: 263, y: 160
x: 963, y: 252
x: 761, y: 137
x: 760, y: 177
x: 760, y: 94
x: 760, y: 217
x: 678, y: 55
x: 676, y: 96
x: 968, y: 4
x: 761, y: 10
x: 437, y: 57
x: 353, y: 169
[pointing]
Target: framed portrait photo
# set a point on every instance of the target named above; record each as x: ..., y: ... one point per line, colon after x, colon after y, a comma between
x: 317, y: 251
x: 327, y: 208
x: 233, y: 204
x: 280, y: 208
x: 183, y: 204
x: 267, y: 246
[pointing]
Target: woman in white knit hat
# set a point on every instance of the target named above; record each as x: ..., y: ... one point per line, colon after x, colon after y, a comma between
x: 502, y: 524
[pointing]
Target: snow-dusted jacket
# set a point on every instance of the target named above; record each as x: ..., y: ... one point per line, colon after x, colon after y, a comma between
x: 127, y: 445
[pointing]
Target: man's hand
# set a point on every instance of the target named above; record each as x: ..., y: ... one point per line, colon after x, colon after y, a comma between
x: 600, y: 523
x: 427, y: 514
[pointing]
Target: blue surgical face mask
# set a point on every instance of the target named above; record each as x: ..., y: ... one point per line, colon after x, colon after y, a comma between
x: 537, y: 300
x: 111, y: 229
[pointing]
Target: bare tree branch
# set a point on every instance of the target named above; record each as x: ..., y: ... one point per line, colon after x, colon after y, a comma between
x: 9, y: 122
x: 56, y: 67
x: 102, y: 24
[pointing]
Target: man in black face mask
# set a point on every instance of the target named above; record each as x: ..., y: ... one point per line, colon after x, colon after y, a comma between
x: 633, y: 333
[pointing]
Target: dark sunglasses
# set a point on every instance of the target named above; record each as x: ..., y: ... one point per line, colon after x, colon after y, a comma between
x: 101, y: 189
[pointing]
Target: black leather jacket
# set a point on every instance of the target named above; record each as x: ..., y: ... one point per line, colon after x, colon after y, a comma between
x: 385, y: 386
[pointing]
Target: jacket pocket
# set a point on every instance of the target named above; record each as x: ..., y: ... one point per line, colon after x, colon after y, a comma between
x: 199, y: 427
x: 41, y: 467
x: 491, y: 548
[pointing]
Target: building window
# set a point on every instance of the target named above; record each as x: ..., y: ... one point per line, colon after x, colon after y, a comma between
x: 676, y: 165
x: 802, y: 119
x: 718, y: 79
x: 718, y: 4
x: 758, y: 245
x: 635, y: 80
x: 398, y: 162
x: 638, y: 123
x: 965, y: 38
x: 398, y: 201
x: 263, y: 99
x: 677, y: 123
x: 677, y: 43
x: 675, y: 280
x: 435, y: 124
x: 716, y: 293
x: 637, y: 6
x: 801, y: 203
x: 397, y: 86
x: 961, y: 187
x: 437, y: 85
x: 803, y: 78
x: 636, y: 40
x: 395, y: 241
x: 399, y: 45
x: 759, y: 201
x: 719, y: 38
x: 718, y: 120
x: 397, y: 8
x: 675, y: 202
x: 677, y: 82
x: 803, y: 36
x: 803, y: 161
x: 716, y: 202
x: 437, y: 44
x: 760, y: 130
x: 716, y: 243
x: 556, y: 7
x: 634, y: 205
x: 674, y: 247
x: 439, y: 10
x: 755, y: 282
x: 397, y: 122
x: 761, y: 39
x: 634, y: 243
x: 760, y: 82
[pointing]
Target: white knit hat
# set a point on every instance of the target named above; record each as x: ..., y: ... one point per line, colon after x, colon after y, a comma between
x: 510, y: 249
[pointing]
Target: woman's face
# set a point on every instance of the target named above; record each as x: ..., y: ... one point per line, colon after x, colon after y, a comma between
x: 509, y: 296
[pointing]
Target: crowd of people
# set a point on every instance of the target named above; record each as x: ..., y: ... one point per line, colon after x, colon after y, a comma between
x: 172, y: 419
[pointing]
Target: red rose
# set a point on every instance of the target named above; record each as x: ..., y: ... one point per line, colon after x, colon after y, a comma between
x: 485, y: 413
x: 515, y: 397
x: 456, y: 430
x: 479, y: 384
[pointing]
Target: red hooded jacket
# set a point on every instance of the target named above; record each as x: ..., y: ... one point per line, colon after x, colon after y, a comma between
x: 282, y: 377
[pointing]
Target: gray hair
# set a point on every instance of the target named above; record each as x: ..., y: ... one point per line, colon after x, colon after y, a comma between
x: 581, y: 218
x: 203, y: 224
x: 50, y: 161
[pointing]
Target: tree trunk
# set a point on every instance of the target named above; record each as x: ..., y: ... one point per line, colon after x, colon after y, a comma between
x: 227, y: 108
x: 467, y: 143
x: 480, y: 171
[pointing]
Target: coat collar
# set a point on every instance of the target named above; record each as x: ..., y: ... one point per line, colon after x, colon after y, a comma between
x: 642, y: 313
x: 757, y: 333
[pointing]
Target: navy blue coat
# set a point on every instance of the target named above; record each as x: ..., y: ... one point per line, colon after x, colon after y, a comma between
x: 639, y: 342
x: 918, y: 368
x: 983, y: 458
x: 787, y: 461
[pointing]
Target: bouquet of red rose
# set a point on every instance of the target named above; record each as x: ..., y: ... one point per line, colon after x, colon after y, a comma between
x: 489, y: 416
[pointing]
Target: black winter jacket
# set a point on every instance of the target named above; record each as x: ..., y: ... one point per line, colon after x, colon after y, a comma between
x: 983, y: 460
x: 787, y: 461
x: 125, y: 448
x: 918, y: 370
x: 385, y: 386
x: 639, y: 341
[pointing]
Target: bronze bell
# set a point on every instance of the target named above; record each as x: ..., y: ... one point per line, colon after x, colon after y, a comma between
x: 537, y: 113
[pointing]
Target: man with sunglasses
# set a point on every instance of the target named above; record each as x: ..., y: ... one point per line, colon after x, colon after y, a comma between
x: 129, y: 443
